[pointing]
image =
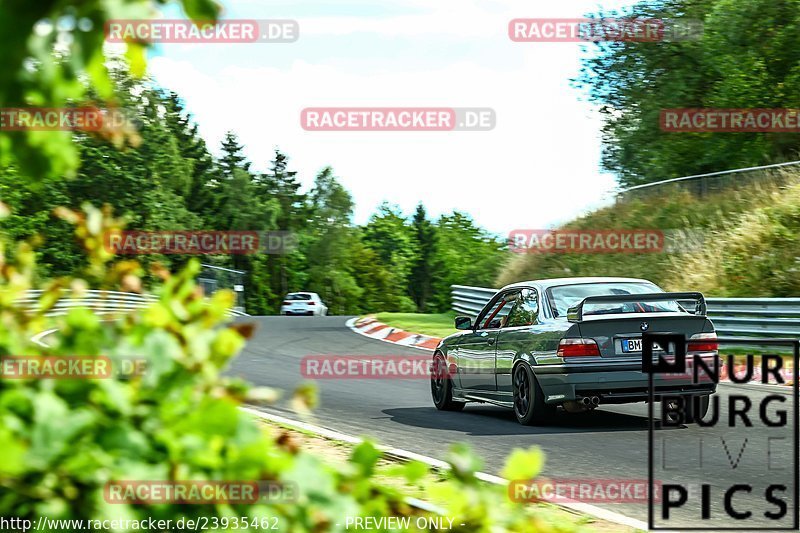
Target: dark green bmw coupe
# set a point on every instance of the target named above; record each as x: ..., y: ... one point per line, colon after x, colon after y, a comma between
x: 571, y: 342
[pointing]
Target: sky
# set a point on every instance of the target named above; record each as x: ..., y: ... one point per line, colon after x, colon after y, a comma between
x: 538, y: 167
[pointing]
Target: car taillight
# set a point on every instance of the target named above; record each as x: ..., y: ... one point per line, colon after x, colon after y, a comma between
x: 703, y: 342
x: 577, y: 348
x: 311, y: 303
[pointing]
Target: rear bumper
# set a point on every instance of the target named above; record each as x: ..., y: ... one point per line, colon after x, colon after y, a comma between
x: 613, y: 383
x: 289, y: 312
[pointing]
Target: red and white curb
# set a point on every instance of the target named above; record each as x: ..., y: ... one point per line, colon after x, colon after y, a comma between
x: 370, y: 327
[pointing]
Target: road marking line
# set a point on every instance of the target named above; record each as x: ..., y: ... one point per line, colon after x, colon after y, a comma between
x: 585, y: 508
x: 39, y: 336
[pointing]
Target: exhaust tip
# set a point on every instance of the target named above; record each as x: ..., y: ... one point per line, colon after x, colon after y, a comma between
x: 586, y: 400
x: 595, y: 400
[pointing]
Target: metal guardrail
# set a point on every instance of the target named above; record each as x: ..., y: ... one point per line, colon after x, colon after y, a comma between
x: 703, y: 184
x: 213, y: 278
x: 750, y: 317
x: 771, y: 317
x: 711, y: 175
x: 470, y: 300
x: 100, y: 302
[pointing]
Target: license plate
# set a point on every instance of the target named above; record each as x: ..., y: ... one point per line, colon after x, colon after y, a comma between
x: 635, y: 345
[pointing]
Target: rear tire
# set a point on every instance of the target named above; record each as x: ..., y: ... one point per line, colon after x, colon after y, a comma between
x: 442, y: 386
x: 529, y: 406
x: 692, y: 414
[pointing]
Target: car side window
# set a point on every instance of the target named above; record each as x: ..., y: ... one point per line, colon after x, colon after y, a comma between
x: 526, y: 310
x: 497, y: 315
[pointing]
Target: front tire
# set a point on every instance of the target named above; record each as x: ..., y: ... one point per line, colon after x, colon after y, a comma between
x: 529, y: 406
x: 442, y: 386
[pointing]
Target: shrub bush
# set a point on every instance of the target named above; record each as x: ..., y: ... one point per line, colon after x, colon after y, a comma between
x: 62, y: 441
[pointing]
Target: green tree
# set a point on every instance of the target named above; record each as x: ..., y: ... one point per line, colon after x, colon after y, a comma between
x: 203, y: 172
x: 747, y: 57
x: 329, y: 240
x: 470, y: 255
x: 426, y: 265
x: 62, y: 63
x: 392, y: 238
x: 232, y: 156
x: 281, y: 185
x: 331, y: 204
x: 31, y: 204
x: 241, y: 205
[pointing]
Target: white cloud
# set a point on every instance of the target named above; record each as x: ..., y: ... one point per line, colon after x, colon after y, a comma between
x: 537, y: 167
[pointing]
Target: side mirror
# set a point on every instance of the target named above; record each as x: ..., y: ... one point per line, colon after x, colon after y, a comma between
x: 463, y: 322
x: 574, y: 314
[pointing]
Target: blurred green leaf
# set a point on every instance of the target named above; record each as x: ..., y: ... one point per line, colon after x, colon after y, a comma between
x: 366, y: 456
x: 202, y: 10
x: 523, y: 464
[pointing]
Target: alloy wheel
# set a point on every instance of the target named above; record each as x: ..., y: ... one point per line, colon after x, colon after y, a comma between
x: 522, y: 392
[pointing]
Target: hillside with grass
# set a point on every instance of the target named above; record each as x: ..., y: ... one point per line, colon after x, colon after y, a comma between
x: 744, y: 240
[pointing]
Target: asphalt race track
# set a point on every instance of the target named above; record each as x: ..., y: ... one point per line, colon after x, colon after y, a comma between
x: 610, y: 443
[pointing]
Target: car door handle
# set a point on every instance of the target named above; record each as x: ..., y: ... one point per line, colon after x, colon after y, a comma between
x: 490, y: 340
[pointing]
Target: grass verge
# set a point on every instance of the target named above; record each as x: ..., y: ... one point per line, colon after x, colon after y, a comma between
x: 739, y: 241
x: 336, y: 454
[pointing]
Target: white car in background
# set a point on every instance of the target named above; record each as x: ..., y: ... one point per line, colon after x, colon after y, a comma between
x: 303, y: 303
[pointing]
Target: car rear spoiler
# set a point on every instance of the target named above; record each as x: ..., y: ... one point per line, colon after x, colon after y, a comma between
x: 575, y: 313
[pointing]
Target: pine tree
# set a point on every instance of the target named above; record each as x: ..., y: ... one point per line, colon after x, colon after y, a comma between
x: 330, y: 202
x: 422, y: 272
x: 204, y: 174
x: 232, y: 156
x: 281, y: 183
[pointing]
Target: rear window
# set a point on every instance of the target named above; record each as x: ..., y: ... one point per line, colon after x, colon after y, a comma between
x: 566, y: 296
x: 298, y: 296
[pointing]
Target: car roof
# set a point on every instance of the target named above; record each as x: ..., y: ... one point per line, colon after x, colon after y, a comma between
x: 309, y: 293
x: 555, y: 282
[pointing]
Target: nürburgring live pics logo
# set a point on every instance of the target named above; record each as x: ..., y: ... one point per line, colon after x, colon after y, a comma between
x: 739, y: 472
